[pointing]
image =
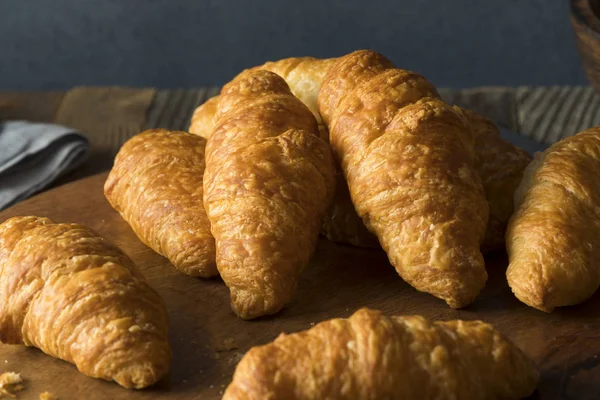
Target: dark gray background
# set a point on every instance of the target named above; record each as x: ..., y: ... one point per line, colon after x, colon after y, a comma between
x: 56, y: 44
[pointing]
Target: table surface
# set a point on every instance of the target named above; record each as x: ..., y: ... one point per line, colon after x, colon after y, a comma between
x: 208, y: 339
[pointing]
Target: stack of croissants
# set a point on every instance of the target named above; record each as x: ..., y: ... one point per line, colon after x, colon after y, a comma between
x: 354, y: 149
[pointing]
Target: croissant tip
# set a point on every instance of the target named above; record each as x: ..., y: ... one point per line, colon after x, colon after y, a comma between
x: 248, y: 304
x: 141, y: 376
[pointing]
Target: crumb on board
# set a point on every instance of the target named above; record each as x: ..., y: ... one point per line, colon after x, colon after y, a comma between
x: 10, y: 378
x: 47, y: 396
x: 227, y: 345
x: 10, y: 383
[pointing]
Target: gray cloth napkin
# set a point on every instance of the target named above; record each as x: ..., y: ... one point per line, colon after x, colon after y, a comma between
x: 33, y: 155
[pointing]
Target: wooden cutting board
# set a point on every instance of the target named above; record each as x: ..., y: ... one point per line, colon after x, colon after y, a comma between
x: 208, y: 339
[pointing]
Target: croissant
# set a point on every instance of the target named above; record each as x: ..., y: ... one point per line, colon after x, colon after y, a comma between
x: 67, y: 291
x: 268, y: 182
x: 408, y: 159
x: 156, y: 186
x: 553, y: 239
x: 371, y: 356
x: 303, y: 75
x: 499, y: 163
x: 202, y: 123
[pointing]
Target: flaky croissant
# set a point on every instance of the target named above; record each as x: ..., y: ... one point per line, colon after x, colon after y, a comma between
x: 202, y: 123
x: 268, y: 182
x: 371, y: 356
x: 499, y: 163
x: 408, y: 159
x: 67, y: 291
x: 156, y: 186
x: 303, y: 75
x: 553, y: 239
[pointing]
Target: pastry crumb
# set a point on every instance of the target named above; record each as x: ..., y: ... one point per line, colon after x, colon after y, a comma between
x: 47, y: 396
x: 10, y: 383
x: 10, y: 378
x: 227, y: 345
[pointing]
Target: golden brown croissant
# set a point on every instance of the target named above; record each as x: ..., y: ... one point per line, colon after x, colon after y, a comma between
x: 156, y: 186
x: 268, y: 182
x: 67, y: 291
x: 408, y: 160
x: 371, y: 356
x: 202, y: 122
x: 500, y: 165
x: 303, y: 75
x: 553, y: 239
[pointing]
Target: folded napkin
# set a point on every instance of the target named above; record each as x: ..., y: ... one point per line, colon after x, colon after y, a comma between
x: 33, y: 155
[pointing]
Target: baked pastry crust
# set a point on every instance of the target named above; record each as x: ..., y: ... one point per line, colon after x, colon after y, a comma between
x: 408, y: 159
x: 303, y: 76
x: 553, y: 239
x: 156, y: 186
x: 371, y: 356
x: 69, y: 292
x: 202, y: 123
x: 499, y: 163
x: 269, y: 180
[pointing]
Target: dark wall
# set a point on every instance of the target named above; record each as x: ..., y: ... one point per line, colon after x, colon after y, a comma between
x: 50, y: 44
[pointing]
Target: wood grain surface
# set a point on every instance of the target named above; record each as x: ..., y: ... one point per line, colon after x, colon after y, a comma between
x: 208, y: 339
